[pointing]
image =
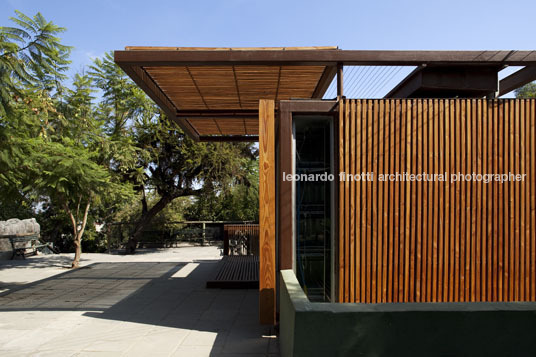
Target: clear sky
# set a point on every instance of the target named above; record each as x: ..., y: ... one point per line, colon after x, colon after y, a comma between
x: 97, y: 26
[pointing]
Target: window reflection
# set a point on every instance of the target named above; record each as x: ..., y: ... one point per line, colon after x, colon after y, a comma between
x: 313, y: 206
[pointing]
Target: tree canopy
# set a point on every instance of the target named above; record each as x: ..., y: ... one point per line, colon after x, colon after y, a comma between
x: 85, y: 149
x: 527, y: 91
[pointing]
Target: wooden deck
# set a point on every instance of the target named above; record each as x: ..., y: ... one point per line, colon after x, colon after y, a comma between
x: 236, y: 272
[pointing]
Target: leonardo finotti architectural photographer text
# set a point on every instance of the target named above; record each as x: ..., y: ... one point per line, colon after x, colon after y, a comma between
x: 408, y: 177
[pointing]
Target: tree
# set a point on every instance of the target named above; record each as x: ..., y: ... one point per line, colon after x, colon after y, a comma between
x: 179, y: 167
x: 32, y: 62
x: 166, y: 164
x: 53, y: 147
x: 238, y: 203
x: 81, y: 159
x: 31, y: 56
x: 64, y: 163
x: 527, y: 91
x: 68, y: 175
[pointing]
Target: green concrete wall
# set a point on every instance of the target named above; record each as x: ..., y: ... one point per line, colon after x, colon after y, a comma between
x: 412, y: 329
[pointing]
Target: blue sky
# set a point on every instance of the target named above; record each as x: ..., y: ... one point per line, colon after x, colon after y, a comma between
x: 94, y: 27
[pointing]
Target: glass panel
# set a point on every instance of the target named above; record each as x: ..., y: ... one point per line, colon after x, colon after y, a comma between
x: 313, y: 206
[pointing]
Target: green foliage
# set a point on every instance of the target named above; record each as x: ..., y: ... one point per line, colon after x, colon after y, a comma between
x: 13, y: 204
x: 55, y: 226
x: 240, y: 202
x: 527, y: 91
x: 101, y: 145
x: 53, y: 147
x: 31, y: 56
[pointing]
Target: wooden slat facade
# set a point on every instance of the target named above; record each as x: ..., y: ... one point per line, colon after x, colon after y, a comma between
x: 409, y: 241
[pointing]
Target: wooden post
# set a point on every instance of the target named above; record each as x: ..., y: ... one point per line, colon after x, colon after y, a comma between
x: 267, y: 268
x: 108, y: 237
x: 340, y: 92
x: 285, y: 223
x: 203, y: 234
x: 225, y: 241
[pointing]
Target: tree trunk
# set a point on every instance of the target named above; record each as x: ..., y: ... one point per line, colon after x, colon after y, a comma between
x: 77, y: 233
x: 145, y: 219
x: 77, y: 252
x: 144, y: 207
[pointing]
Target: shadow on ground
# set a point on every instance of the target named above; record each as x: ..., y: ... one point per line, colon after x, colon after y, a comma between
x: 158, y: 308
x: 42, y: 261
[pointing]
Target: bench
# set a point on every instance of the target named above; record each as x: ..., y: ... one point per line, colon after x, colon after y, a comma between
x: 236, y: 272
x: 24, y: 240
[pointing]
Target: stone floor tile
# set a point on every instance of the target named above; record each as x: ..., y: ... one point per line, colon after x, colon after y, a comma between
x: 109, y: 346
x: 196, y: 351
x: 202, y: 338
x: 127, y: 306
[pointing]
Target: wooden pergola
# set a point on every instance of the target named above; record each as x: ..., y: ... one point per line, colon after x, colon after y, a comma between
x: 213, y: 93
x: 219, y: 100
x: 249, y: 94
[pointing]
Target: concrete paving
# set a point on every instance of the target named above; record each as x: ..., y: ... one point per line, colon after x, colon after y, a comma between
x: 151, y: 304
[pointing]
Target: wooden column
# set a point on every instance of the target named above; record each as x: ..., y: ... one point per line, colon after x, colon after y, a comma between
x: 267, y: 251
x: 340, y: 80
x: 285, y: 224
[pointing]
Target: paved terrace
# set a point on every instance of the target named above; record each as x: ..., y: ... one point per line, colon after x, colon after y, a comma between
x: 153, y: 303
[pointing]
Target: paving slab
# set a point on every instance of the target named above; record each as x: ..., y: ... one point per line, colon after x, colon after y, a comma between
x: 153, y: 303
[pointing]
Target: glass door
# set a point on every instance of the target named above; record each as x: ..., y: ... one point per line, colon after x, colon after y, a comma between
x: 313, y: 191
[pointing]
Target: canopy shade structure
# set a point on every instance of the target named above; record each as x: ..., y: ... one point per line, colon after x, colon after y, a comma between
x: 214, y: 102
x: 213, y: 93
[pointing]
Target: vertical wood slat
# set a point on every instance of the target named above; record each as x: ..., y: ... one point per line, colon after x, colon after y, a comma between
x: 267, y: 267
x: 418, y: 202
x: 359, y: 202
x: 452, y: 189
x: 425, y: 236
x: 532, y: 191
x: 342, y: 167
x: 250, y: 230
x: 386, y: 159
x: 467, y: 208
x: 396, y: 227
x: 351, y: 109
x: 363, y: 203
x: 437, y: 241
x: 347, y: 202
x: 391, y: 154
x: 402, y: 202
x: 379, y: 170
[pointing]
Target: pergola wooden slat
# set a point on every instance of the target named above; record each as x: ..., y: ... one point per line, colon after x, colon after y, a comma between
x: 198, y: 80
x: 222, y: 100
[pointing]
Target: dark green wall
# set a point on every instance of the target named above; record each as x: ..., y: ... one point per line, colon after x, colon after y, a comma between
x: 416, y: 329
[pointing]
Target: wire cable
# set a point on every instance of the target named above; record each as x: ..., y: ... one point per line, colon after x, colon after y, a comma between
x: 380, y: 89
x: 363, y: 72
x: 380, y: 79
x: 366, y: 81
